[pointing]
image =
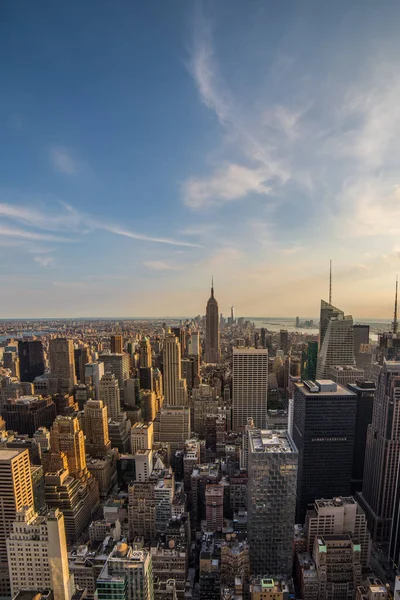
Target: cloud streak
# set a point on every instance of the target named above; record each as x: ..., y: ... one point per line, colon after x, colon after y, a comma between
x: 71, y: 219
x: 13, y: 232
x: 144, y: 237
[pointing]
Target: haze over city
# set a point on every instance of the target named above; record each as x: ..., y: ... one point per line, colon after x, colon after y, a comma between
x: 148, y: 146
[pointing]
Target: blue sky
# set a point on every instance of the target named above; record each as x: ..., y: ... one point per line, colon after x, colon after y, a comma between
x: 145, y: 146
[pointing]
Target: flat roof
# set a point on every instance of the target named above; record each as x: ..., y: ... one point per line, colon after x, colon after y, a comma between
x: 9, y: 454
x: 341, y: 391
x: 270, y: 441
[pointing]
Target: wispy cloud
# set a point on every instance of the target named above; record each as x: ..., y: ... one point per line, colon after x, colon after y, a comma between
x: 13, y: 232
x: 68, y: 218
x: 228, y: 183
x: 45, y: 260
x: 231, y: 181
x: 141, y: 236
x: 63, y: 161
x: 45, y: 219
x: 160, y: 265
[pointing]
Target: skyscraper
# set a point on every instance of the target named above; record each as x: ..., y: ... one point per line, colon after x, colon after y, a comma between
x: 31, y: 359
x: 15, y: 492
x: 93, y: 373
x: 338, y: 516
x: 311, y: 358
x: 118, y: 365
x: 175, y: 393
x: 272, y: 469
x: 172, y: 425
x: 382, y: 455
x: 284, y: 340
x: 82, y: 357
x: 117, y: 344
x: 361, y: 336
x: 109, y: 393
x: 214, y: 507
x: 145, y: 358
x: 212, y: 350
x: 97, y: 441
x: 127, y: 574
x: 324, y: 416
x: 27, y: 413
x: 62, y: 363
x: 37, y: 554
x: 365, y: 391
x: 66, y: 436
x: 250, y: 386
x: 336, y: 340
x: 194, y: 344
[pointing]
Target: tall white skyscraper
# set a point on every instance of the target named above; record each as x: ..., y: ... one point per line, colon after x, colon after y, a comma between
x: 175, y: 393
x: 37, y: 553
x: 336, y: 340
x: 109, y: 393
x: 250, y: 386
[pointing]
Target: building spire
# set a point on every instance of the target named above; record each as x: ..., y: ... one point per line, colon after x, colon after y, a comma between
x: 330, y: 281
x: 212, y: 286
x: 395, y: 309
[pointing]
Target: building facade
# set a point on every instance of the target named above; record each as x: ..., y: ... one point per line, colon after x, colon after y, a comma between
x: 37, y: 554
x: 336, y: 341
x: 272, y: 471
x: 31, y: 359
x: 378, y: 497
x: 16, y: 492
x: 324, y: 416
x: 250, y: 386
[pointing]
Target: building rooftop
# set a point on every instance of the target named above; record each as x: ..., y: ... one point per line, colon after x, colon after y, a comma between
x: 27, y: 400
x: 265, y: 584
x: 311, y: 389
x: 270, y: 441
x: 392, y: 365
x: 362, y: 385
x: 339, y: 501
x: 140, y: 426
x: 9, y: 454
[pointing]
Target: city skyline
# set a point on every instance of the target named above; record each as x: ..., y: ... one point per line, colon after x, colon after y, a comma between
x: 196, y: 139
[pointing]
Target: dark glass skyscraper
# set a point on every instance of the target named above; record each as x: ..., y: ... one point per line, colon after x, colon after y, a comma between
x: 324, y: 416
x: 213, y: 353
x: 365, y: 391
x: 31, y: 359
x: 380, y: 486
x: 28, y: 413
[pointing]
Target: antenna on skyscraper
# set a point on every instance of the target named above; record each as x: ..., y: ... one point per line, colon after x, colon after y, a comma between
x: 212, y: 286
x: 330, y: 281
x: 395, y: 309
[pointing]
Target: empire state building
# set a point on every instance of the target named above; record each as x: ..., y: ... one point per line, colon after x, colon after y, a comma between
x: 212, y: 353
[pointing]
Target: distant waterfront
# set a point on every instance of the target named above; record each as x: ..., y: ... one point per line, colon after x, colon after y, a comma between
x: 275, y: 324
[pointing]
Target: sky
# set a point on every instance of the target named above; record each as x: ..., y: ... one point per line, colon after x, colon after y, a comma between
x: 148, y: 146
